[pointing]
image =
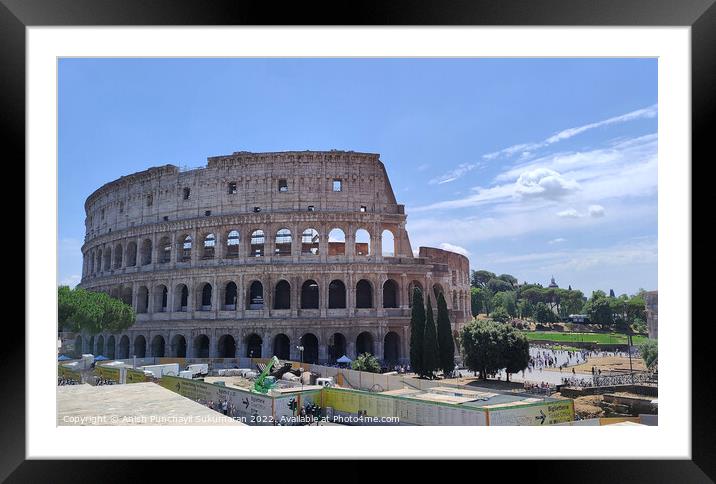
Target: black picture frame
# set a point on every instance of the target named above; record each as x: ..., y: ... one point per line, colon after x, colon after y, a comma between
x: 700, y: 15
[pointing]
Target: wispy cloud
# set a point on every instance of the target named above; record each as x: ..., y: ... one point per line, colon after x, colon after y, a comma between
x: 645, y: 113
x: 457, y: 173
x: 558, y: 240
x: 455, y: 248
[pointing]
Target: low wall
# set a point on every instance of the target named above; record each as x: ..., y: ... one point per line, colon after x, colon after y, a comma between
x: 575, y: 392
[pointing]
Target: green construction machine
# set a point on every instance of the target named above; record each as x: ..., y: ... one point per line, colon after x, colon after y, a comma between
x: 261, y: 384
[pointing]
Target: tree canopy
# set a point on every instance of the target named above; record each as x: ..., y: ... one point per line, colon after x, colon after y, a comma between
x: 489, y: 346
x: 92, y: 312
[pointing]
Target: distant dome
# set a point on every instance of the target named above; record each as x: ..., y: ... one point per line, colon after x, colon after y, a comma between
x: 552, y: 283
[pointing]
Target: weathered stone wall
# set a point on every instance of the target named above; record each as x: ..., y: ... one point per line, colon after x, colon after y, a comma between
x: 156, y: 234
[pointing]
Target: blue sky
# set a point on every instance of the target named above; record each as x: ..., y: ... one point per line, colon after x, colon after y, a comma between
x: 533, y: 167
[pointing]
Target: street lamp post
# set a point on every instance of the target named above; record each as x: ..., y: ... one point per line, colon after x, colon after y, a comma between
x: 300, y: 349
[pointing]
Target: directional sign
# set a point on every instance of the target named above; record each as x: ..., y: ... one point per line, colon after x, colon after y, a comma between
x: 541, y: 417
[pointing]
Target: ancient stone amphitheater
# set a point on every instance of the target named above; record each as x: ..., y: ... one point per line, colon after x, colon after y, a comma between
x: 263, y: 253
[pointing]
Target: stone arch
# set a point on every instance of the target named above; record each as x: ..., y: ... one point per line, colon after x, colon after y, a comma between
x: 92, y: 257
x: 226, y: 346
x: 118, y: 255
x: 142, y: 299
x: 78, y: 346
x: 364, y: 294
x: 125, y: 294
x: 107, y: 265
x: 391, y: 294
x: 362, y: 243
x: 158, y: 346
x: 233, y: 242
x: 336, y: 295
x: 204, y: 296
x: 146, y: 252
x: 184, y: 249
x: 437, y: 289
x: 253, y: 345
x: 200, y: 346
x: 165, y: 250
x: 309, y: 341
x: 209, y: 246
x: 258, y: 243
x: 336, y: 242
x: 309, y: 295
x: 123, y: 347
x: 161, y: 298
x: 140, y: 346
x: 282, y: 295
x: 181, y: 298
x: 110, y: 347
x: 337, y: 345
x: 282, y: 346
x: 179, y: 346
x: 230, y: 296
x: 310, y: 242
x: 283, y: 242
x: 391, y: 347
x: 99, y: 261
x: 131, y: 254
x: 365, y: 343
x: 255, y: 295
x: 387, y: 243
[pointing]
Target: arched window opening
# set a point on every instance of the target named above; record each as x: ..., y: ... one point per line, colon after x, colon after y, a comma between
x: 257, y: 243
x: 140, y: 347
x: 411, y: 289
x: 390, y: 294
x: 110, y: 349
x: 336, y: 242
x: 146, y: 252
x: 227, y: 346
x: 124, y: 347
x: 336, y: 346
x: 108, y: 259
x: 230, y: 295
x: 309, y: 295
x: 283, y: 242
x: 309, y: 242
x: 336, y: 295
x: 364, y: 343
x: 131, y: 254
x: 209, y: 247
x: 179, y: 346
x: 391, y: 348
x: 201, y: 346
x: 186, y: 249
x: 99, y: 261
x: 158, y: 346
x: 253, y: 346
x: 282, y: 295
x: 165, y: 250
x: 232, y: 244
x: 362, y: 245
x: 387, y: 244
x: 364, y: 294
x: 256, y: 296
x: 142, y: 300
x: 309, y: 341
x: 118, y: 256
x: 181, y: 298
x: 205, y: 297
x: 282, y: 347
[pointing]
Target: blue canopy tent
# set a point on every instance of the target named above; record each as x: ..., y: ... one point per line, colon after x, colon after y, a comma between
x: 63, y: 358
x: 344, y: 359
x: 100, y: 358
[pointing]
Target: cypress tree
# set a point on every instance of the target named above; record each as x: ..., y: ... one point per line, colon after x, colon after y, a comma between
x: 446, y: 345
x: 417, y: 328
x: 430, y: 343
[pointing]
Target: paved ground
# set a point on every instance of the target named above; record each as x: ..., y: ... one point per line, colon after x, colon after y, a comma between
x: 131, y: 404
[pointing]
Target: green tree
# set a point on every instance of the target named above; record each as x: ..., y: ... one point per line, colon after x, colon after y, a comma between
x: 508, y: 278
x: 649, y: 352
x: 500, y: 315
x: 431, y: 360
x: 525, y: 309
x: 543, y: 314
x: 366, y: 362
x: 480, y: 278
x: 475, y: 301
x: 482, y: 349
x: 92, y: 312
x: 599, y: 310
x: 498, y: 285
x: 446, y: 345
x: 506, y: 300
x: 417, y: 330
x: 515, y: 350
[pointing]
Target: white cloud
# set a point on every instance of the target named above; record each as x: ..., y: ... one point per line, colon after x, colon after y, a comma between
x: 558, y: 240
x: 71, y: 281
x: 544, y: 183
x: 454, y: 248
x: 596, y: 211
x: 456, y: 173
x: 645, y: 113
x: 569, y: 213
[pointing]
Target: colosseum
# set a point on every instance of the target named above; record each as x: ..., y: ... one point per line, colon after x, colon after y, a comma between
x: 258, y: 254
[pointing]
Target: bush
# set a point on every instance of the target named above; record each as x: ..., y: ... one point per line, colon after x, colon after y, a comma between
x: 366, y: 362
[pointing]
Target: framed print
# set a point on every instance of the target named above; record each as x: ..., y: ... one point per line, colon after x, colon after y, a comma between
x: 426, y: 229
